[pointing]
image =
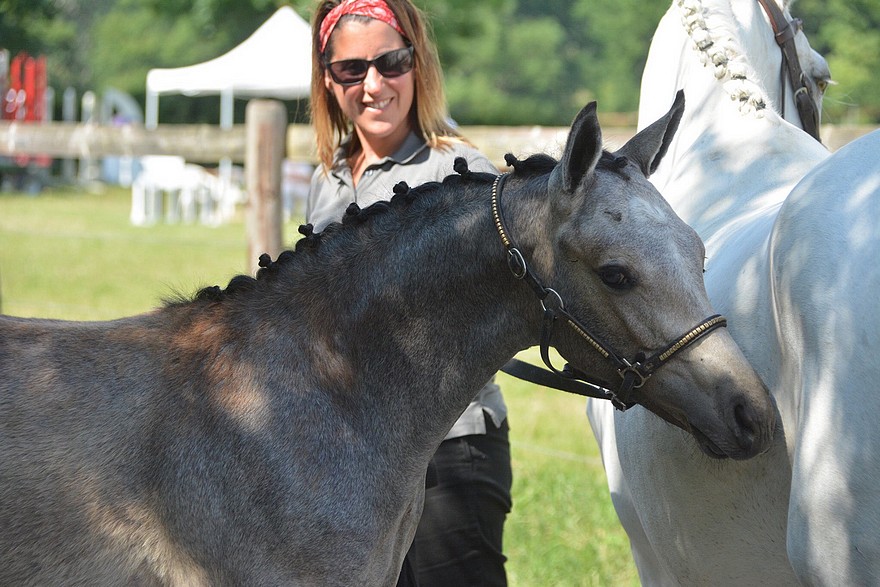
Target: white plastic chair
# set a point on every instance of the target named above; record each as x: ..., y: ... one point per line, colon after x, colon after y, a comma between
x: 161, y: 175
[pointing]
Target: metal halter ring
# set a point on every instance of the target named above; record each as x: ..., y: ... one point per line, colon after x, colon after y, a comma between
x: 634, y: 370
x: 517, y: 263
x: 558, y: 297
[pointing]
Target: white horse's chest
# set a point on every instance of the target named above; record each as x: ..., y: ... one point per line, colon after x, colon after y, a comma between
x: 697, y: 511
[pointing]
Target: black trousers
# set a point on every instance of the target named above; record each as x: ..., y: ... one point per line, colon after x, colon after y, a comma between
x: 467, y: 499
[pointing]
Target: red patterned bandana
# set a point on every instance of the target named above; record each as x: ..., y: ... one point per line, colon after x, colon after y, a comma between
x: 377, y: 9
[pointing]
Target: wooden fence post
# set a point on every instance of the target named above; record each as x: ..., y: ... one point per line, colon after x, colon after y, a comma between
x: 265, y: 135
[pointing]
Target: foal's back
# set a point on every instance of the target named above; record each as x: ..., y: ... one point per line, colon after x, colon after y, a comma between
x: 75, y: 410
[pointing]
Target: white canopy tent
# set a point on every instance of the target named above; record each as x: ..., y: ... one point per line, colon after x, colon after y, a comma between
x: 274, y: 62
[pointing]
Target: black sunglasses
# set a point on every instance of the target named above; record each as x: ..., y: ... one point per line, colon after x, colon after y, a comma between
x: 350, y: 72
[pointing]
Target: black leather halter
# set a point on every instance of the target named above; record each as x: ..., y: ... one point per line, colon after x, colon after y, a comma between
x: 784, y: 32
x: 633, y: 373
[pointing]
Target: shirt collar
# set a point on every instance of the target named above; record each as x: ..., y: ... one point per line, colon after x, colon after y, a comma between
x: 412, y: 145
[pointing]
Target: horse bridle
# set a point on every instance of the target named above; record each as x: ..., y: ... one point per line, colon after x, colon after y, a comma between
x: 784, y: 32
x: 633, y: 373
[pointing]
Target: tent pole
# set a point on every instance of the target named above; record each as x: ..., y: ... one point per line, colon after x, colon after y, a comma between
x: 226, y: 108
x: 226, y: 120
x: 152, y: 115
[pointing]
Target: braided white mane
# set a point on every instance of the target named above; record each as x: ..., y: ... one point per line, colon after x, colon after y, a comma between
x: 709, y: 28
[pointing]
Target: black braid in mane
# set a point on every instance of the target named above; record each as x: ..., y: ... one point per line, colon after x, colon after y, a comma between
x: 613, y: 163
x: 539, y: 164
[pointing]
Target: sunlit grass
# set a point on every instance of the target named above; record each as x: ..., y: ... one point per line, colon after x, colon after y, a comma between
x: 74, y: 255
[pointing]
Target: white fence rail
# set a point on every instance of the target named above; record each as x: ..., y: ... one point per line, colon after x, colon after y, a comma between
x: 207, y: 144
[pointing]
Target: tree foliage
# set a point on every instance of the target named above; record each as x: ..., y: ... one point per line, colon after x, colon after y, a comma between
x: 505, y: 61
x: 847, y: 33
x: 18, y: 22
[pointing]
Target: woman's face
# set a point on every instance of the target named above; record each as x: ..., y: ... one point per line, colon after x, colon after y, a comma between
x: 379, y: 107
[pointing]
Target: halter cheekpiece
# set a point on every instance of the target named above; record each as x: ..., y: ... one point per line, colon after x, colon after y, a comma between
x: 633, y: 373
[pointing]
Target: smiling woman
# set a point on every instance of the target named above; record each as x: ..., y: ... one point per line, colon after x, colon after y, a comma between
x: 378, y: 105
x: 380, y: 117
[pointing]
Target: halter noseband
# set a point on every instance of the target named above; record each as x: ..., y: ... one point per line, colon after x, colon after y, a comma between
x: 633, y: 373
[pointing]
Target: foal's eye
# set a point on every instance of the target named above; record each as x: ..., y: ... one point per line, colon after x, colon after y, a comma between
x: 616, y: 277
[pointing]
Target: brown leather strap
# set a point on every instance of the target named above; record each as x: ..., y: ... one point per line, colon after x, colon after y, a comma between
x: 784, y: 32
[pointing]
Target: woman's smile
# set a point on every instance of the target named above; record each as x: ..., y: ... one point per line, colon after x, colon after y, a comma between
x: 378, y: 104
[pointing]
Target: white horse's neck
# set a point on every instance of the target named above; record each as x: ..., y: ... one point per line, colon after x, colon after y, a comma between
x: 754, y: 30
x: 733, y: 39
x: 730, y: 132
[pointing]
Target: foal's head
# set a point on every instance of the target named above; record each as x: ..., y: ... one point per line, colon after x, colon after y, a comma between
x: 630, y: 270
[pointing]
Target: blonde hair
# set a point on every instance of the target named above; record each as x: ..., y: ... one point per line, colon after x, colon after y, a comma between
x: 429, y: 113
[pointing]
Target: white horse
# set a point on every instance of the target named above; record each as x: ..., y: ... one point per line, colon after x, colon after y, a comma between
x: 792, y: 243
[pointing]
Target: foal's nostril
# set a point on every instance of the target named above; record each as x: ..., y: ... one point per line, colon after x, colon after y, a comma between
x: 745, y: 423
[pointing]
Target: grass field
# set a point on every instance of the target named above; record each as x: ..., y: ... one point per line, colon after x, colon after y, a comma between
x: 74, y: 255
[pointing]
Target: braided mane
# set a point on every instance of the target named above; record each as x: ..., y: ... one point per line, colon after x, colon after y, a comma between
x: 709, y: 30
x: 403, y: 196
x: 533, y: 166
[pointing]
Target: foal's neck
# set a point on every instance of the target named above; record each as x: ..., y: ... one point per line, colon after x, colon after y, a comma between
x: 419, y: 309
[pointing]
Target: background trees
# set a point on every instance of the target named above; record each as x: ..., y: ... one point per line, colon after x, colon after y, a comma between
x: 847, y: 33
x: 506, y: 61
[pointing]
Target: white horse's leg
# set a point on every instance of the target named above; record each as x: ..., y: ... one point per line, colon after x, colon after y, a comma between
x: 651, y: 571
x: 827, y: 281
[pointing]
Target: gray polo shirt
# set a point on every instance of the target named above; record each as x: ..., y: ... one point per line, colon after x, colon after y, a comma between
x: 415, y: 163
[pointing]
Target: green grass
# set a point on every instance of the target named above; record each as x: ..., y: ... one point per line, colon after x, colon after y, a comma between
x: 562, y: 530
x: 74, y: 255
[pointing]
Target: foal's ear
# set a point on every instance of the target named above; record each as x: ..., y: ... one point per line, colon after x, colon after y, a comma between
x: 648, y: 147
x: 582, y: 151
